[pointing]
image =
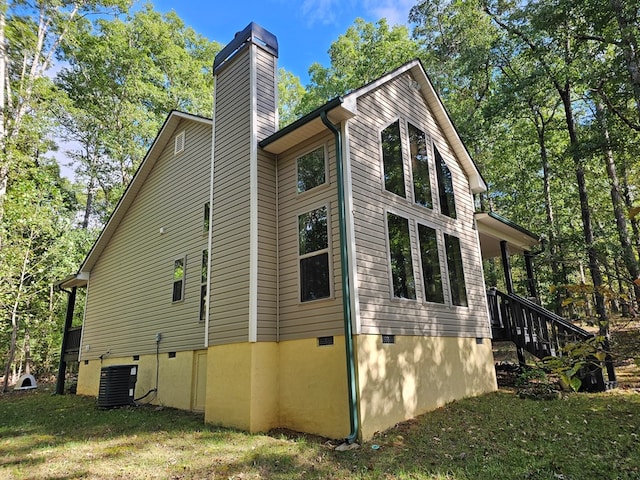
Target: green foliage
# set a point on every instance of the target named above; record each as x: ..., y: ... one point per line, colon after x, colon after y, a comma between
x: 576, y: 357
x: 363, y: 53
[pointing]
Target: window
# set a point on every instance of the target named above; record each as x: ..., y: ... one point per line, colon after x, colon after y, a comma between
x: 313, y: 241
x: 420, y: 167
x: 431, y: 273
x: 179, y: 143
x: 400, y: 255
x: 392, y: 159
x: 206, y: 217
x: 445, y: 186
x: 311, y: 170
x: 203, y: 284
x: 178, y: 279
x: 456, y: 272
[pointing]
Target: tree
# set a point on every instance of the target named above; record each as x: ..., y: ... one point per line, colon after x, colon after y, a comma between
x: 122, y: 78
x: 363, y: 53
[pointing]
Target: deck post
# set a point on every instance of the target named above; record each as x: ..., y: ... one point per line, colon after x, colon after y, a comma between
x: 506, y: 266
x: 62, y: 367
x: 531, y: 281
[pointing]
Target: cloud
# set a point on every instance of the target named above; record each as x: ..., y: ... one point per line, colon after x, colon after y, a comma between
x: 321, y: 11
x: 395, y: 11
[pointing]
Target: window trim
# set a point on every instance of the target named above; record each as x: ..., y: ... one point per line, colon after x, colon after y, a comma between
x: 401, y: 126
x: 327, y: 250
x: 448, y: 271
x: 410, y: 221
x: 203, y: 285
x: 442, y: 263
x: 183, y: 258
x: 441, y: 188
x: 429, y: 143
x: 325, y: 149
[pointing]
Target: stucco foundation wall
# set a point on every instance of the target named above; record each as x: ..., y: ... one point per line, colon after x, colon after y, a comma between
x: 174, y: 377
x: 294, y: 384
x: 417, y: 374
x: 242, y: 386
x: 313, y: 387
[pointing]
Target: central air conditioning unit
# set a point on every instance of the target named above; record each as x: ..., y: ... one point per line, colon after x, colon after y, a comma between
x: 117, y: 385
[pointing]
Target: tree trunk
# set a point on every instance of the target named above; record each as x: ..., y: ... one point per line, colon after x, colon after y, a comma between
x: 587, y: 226
x: 4, y: 166
x: 14, y: 320
x: 629, y: 44
x: 630, y: 261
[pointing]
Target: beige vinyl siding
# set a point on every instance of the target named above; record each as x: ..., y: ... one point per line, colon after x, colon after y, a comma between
x: 266, y: 88
x: 130, y: 290
x: 229, y: 298
x: 379, y: 311
x: 321, y: 317
x: 266, y: 124
x: 267, y: 248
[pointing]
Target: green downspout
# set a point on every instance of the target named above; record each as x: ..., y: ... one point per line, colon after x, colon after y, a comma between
x: 346, y: 295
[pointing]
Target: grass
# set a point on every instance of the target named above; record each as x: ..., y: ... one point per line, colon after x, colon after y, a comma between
x: 580, y: 436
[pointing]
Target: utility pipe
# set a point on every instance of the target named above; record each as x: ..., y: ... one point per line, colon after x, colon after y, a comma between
x: 346, y: 294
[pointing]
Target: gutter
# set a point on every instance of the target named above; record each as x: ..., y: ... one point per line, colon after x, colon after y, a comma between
x: 346, y: 293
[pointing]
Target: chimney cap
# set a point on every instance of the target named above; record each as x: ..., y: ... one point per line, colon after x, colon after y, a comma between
x: 252, y: 33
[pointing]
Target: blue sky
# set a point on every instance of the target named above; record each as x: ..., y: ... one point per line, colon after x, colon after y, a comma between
x: 305, y: 28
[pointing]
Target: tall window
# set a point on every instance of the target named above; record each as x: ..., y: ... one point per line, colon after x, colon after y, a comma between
x: 456, y: 272
x: 203, y: 284
x: 445, y: 186
x: 420, y: 167
x: 313, y: 241
x: 311, y: 170
x: 392, y: 159
x: 178, y: 279
x: 206, y: 218
x: 430, y: 259
x: 400, y: 254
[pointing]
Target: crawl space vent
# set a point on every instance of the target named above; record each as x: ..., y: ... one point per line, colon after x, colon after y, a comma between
x: 388, y: 339
x: 324, y: 341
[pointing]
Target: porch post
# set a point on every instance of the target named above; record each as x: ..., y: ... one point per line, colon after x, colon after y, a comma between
x: 62, y: 367
x: 531, y: 281
x: 506, y: 266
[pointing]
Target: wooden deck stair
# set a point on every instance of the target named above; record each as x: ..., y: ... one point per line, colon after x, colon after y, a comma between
x: 541, y: 333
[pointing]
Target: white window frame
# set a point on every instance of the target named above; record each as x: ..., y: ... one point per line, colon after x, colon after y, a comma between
x: 203, y: 283
x: 326, y: 168
x: 403, y: 154
x: 442, y: 260
x: 183, y: 258
x: 429, y: 143
x: 410, y: 221
x: 326, y: 250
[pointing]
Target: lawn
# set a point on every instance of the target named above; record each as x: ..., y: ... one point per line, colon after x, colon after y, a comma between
x: 500, y: 435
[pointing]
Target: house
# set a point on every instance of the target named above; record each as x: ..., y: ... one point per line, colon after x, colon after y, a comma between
x: 325, y: 277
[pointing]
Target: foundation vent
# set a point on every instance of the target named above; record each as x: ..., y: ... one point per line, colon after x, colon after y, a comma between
x: 388, y: 339
x: 324, y: 341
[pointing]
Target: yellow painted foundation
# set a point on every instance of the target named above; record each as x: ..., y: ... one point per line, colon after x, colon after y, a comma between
x: 177, y: 381
x: 302, y: 386
x: 399, y: 381
x: 294, y: 384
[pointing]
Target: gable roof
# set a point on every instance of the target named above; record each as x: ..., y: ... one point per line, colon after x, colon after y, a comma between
x: 345, y: 107
x: 164, y: 135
